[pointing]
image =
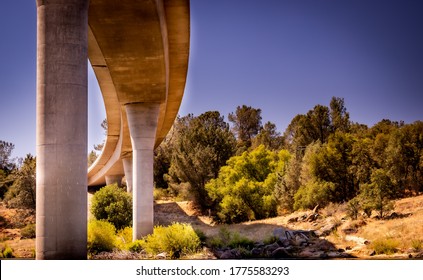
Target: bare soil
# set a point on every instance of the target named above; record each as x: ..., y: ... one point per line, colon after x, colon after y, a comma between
x: 355, y: 237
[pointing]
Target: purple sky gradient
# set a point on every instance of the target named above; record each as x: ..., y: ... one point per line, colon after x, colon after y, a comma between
x: 281, y: 56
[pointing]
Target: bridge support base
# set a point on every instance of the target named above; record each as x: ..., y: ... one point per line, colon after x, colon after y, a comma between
x: 114, y: 179
x: 127, y: 168
x: 142, y: 122
x: 62, y: 125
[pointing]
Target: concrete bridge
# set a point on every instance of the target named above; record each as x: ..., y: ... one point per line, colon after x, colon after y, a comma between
x: 139, y: 52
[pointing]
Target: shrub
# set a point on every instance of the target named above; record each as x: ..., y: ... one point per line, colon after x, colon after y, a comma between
x: 101, y: 236
x: 6, y: 253
x: 136, y: 246
x: 230, y: 239
x: 28, y: 231
x: 200, y: 235
x: 416, y: 244
x: 377, y: 195
x: 176, y: 240
x: 353, y: 208
x: 114, y: 205
x: 124, y: 238
x: 270, y: 239
x: 385, y: 246
x: 245, y: 187
x: 314, y: 192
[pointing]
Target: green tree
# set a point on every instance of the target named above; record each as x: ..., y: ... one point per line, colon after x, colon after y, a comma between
x: 340, y: 118
x: 377, y: 194
x: 162, y: 160
x: 306, y: 129
x: 404, y: 158
x: 92, y: 156
x: 246, y: 125
x: 244, y: 189
x: 114, y: 205
x: 312, y: 190
x: 22, y: 192
x: 201, y: 146
x: 334, y: 164
x: 269, y: 137
x: 288, y: 182
x: 6, y: 164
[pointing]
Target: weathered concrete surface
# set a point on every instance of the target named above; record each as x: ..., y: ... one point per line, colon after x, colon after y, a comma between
x: 142, y: 120
x: 127, y: 167
x: 61, y: 225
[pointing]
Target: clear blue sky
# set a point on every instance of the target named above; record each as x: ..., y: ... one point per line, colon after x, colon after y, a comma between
x: 281, y: 56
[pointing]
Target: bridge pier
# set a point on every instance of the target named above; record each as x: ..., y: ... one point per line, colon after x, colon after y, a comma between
x: 142, y: 122
x: 127, y: 168
x: 114, y: 179
x: 61, y: 144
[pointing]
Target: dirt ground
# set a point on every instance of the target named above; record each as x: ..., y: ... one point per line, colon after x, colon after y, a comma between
x: 356, y: 237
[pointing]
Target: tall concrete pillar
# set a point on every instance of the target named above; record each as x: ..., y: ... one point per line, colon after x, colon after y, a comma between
x: 114, y: 179
x: 127, y: 168
x: 61, y: 216
x: 142, y: 122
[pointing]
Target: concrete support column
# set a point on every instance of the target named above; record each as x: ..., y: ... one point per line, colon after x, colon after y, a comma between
x: 142, y: 122
x: 127, y: 168
x: 114, y: 179
x: 61, y: 216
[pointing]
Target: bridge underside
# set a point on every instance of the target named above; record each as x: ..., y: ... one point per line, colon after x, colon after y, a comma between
x: 139, y: 53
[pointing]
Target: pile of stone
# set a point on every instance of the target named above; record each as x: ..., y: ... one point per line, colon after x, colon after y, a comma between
x: 299, y: 244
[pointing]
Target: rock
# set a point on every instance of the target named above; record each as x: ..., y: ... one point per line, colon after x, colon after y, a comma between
x: 357, y: 239
x: 267, y: 250
x: 324, y: 255
x: 309, y: 254
x: 312, y: 217
x: 161, y: 256
x: 284, y: 243
x: 280, y: 233
x: 326, y: 230
x: 299, y: 240
x: 293, y: 220
x: 257, y: 252
x: 280, y: 253
x: 231, y: 254
x: 302, y: 218
x: 419, y: 256
x: 372, y: 253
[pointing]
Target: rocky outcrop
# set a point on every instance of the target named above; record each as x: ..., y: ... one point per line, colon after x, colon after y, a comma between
x: 290, y: 244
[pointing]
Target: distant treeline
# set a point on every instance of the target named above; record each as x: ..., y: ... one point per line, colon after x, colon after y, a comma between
x: 244, y: 170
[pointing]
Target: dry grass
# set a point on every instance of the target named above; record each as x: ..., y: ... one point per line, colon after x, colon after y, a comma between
x: 407, y: 231
x: 403, y: 233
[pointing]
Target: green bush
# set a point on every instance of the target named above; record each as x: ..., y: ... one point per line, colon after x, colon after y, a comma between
x: 230, y: 239
x: 136, y: 246
x: 124, y: 238
x: 416, y: 244
x: 314, y: 192
x: 245, y: 187
x: 6, y: 253
x: 385, y: 246
x: 114, y: 205
x: 353, y: 208
x: 176, y: 240
x: 28, y: 231
x: 101, y: 236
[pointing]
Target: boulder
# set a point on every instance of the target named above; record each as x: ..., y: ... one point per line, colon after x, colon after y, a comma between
x: 267, y: 250
x: 231, y: 254
x: 280, y: 253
